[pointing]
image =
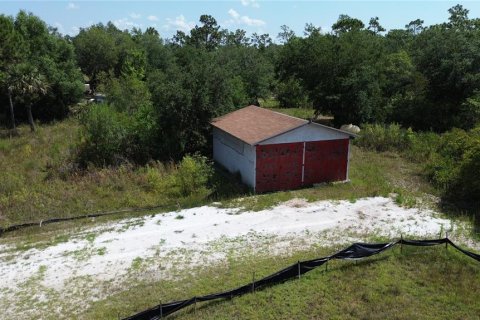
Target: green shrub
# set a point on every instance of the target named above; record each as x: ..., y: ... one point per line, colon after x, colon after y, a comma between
x: 192, y: 176
x: 455, y: 166
x: 416, y: 146
x: 155, y: 177
x: 104, y: 136
x: 421, y: 146
x: 384, y: 138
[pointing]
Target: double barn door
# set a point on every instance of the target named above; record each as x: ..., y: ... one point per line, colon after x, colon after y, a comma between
x: 293, y: 165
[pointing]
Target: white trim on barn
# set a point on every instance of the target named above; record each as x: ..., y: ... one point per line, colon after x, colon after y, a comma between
x: 347, y: 178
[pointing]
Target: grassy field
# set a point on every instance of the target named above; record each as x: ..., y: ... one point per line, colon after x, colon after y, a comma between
x: 428, y: 283
x: 419, y: 283
x: 38, y: 182
x: 303, y: 113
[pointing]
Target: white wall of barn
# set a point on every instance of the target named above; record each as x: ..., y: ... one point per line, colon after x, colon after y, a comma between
x: 308, y: 132
x: 235, y: 155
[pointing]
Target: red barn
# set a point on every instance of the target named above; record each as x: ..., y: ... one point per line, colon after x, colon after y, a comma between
x: 273, y: 151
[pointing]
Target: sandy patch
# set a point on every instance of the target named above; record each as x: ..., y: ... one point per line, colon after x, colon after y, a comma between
x: 204, y: 235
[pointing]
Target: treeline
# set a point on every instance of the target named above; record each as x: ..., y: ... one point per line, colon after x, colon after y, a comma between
x: 38, y: 69
x: 162, y: 93
x: 422, y: 77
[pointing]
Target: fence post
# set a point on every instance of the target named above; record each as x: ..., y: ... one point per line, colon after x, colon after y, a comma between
x: 446, y: 242
x: 401, y: 243
x: 326, y: 266
x: 298, y: 267
x: 253, y: 282
x: 161, y: 310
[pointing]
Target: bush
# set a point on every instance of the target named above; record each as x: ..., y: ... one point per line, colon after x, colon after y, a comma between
x: 412, y: 145
x: 104, y: 136
x: 421, y: 145
x: 384, y: 138
x: 455, y: 166
x: 192, y: 176
x: 155, y: 177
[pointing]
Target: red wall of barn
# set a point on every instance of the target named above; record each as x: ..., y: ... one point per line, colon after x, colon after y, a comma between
x: 285, y: 166
x: 279, y: 166
x: 325, y: 161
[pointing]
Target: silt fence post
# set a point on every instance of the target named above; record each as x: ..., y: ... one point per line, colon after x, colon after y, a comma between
x: 253, y: 282
x: 401, y: 243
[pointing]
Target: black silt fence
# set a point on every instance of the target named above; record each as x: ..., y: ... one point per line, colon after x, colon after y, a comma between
x: 84, y: 216
x: 355, y: 251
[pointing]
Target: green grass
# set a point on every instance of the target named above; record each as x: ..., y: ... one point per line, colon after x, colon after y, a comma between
x: 303, y: 113
x: 36, y: 183
x: 419, y: 283
x: 371, y: 174
x: 39, y: 181
x: 306, y: 113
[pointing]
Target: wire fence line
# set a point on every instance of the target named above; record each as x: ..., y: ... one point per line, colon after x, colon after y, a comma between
x: 84, y: 216
x: 355, y: 251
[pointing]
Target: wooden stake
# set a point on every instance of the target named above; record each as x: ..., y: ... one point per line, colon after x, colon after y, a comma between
x: 401, y: 243
x: 446, y: 242
x: 161, y: 311
x: 298, y: 265
x: 253, y: 282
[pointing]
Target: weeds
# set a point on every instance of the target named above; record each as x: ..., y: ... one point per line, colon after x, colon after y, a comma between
x: 417, y: 283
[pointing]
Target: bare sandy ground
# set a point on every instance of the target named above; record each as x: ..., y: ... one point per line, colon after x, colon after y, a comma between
x: 203, y: 235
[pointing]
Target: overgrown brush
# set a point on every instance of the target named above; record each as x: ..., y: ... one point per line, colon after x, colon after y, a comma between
x: 417, y: 146
x: 455, y: 166
x: 451, y: 160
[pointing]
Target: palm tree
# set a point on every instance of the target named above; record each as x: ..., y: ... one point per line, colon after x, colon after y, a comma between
x: 4, y: 80
x: 30, y: 84
x: 12, y: 115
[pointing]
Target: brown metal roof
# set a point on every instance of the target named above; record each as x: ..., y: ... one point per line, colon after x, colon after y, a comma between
x: 254, y: 124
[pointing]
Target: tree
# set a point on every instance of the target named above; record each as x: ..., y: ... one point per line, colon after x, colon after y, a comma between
x: 311, y: 29
x: 347, y: 24
x: 458, y: 17
x: 12, y: 51
x: 29, y: 84
x: 208, y: 35
x: 96, y: 51
x: 237, y: 38
x: 261, y: 41
x: 286, y: 34
x: 398, y: 39
x: 27, y: 40
x: 415, y: 26
x: 375, y: 26
x: 449, y: 59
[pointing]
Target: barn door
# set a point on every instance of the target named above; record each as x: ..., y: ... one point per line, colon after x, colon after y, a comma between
x: 279, y: 166
x: 325, y: 161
